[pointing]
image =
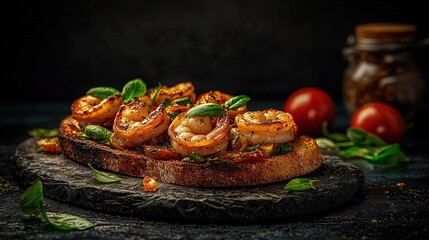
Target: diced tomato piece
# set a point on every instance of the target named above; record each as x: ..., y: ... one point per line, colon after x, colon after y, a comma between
x: 149, y: 184
x: 51, y: 144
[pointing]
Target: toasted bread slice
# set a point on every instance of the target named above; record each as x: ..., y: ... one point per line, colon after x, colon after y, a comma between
x: 304, y: 158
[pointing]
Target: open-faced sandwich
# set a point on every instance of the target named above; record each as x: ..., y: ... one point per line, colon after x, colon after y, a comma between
x: 176, y: 137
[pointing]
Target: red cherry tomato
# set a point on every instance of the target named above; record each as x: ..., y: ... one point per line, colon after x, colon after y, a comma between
x: 310, y: 107
x: 49, y: 144
x: 380, y: 119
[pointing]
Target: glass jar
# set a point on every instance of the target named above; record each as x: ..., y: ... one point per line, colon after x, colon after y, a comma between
x: 382, y: 67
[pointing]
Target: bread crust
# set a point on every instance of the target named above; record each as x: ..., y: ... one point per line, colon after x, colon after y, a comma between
x: 304, y: 158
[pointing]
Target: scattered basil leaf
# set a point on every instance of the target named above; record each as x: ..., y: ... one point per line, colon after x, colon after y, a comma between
x: 194, y: 157
x: 64, y: 221
x: 281, y: 149
x: 236, y: 102
x: 32, y: 198
x: 206, y: 110
x: 337, y: 137
x: 43, y: 132
x: 362, y: 144
x: 362, y: 137
x: 300, y: 184
x: 342, y: 145
x: 104, y: 177
x: 354, y: 151
x: 158, y: 89
x: 98, y: 133
x: 182, y: 101
x: 132, y: 89
x: 102, y: 92
x: 252, y: 148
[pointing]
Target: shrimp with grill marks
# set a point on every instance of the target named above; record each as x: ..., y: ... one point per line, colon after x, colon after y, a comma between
x: 135, y: 124
x: 91, y: 110
x: 199, y: 134
x: 267, y: 126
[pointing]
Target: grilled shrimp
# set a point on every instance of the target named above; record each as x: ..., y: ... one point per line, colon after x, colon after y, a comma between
x: 267, y: 126
x: 220, y: 98
x: 197, y: 134
x: 180, y: 90
x: 134, y: 124
x: 92, y: 110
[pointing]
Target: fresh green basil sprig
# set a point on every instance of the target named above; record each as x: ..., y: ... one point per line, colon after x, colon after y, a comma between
x: 32, y: 197
x: 102, y: 92
x: 31, y: 201
x: 132, y: 89
x: 300, y: 184
x: 65, y: 221
x: 358, y: 143
x: 206, y: 110
x: 236, y: 102
x: 104, y: 177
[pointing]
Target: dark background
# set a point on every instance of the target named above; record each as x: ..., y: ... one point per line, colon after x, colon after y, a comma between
x: 56, y: 50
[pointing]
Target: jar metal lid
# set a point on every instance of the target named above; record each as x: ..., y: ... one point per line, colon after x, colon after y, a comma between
x: 384, y: 36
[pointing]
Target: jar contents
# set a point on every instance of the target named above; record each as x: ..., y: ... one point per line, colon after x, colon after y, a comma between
x: 382, y: 68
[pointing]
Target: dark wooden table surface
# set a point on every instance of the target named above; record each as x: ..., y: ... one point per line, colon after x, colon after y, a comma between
x: 394, y: 203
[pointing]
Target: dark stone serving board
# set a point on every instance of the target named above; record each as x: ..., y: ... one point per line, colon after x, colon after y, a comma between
x: 74, y: 183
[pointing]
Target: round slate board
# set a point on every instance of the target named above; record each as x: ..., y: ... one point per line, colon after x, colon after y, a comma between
x: 74, y: 183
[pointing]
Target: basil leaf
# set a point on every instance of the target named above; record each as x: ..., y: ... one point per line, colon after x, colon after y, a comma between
x: 64, y: 221
x: 345, y: 144
x: 300, y: 184
x: 173, y: 115
x: 104, y: 177
x: 182, y: 101
x: 194, y: 157
x: 102, y: 92
x: 281, y: 149
x: 355, y: 151
x: 218, y: 159
x: 132, y: 89
x: 32, y: 198
x: 236, y: 102
x: 337, y: 137
x: 158, y: 89
x: 379, y: 154
x: 98, y: 133
x: 43, y: 132
x: 206, y: 110
x: 393, y: 160
x: 361, y: 137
